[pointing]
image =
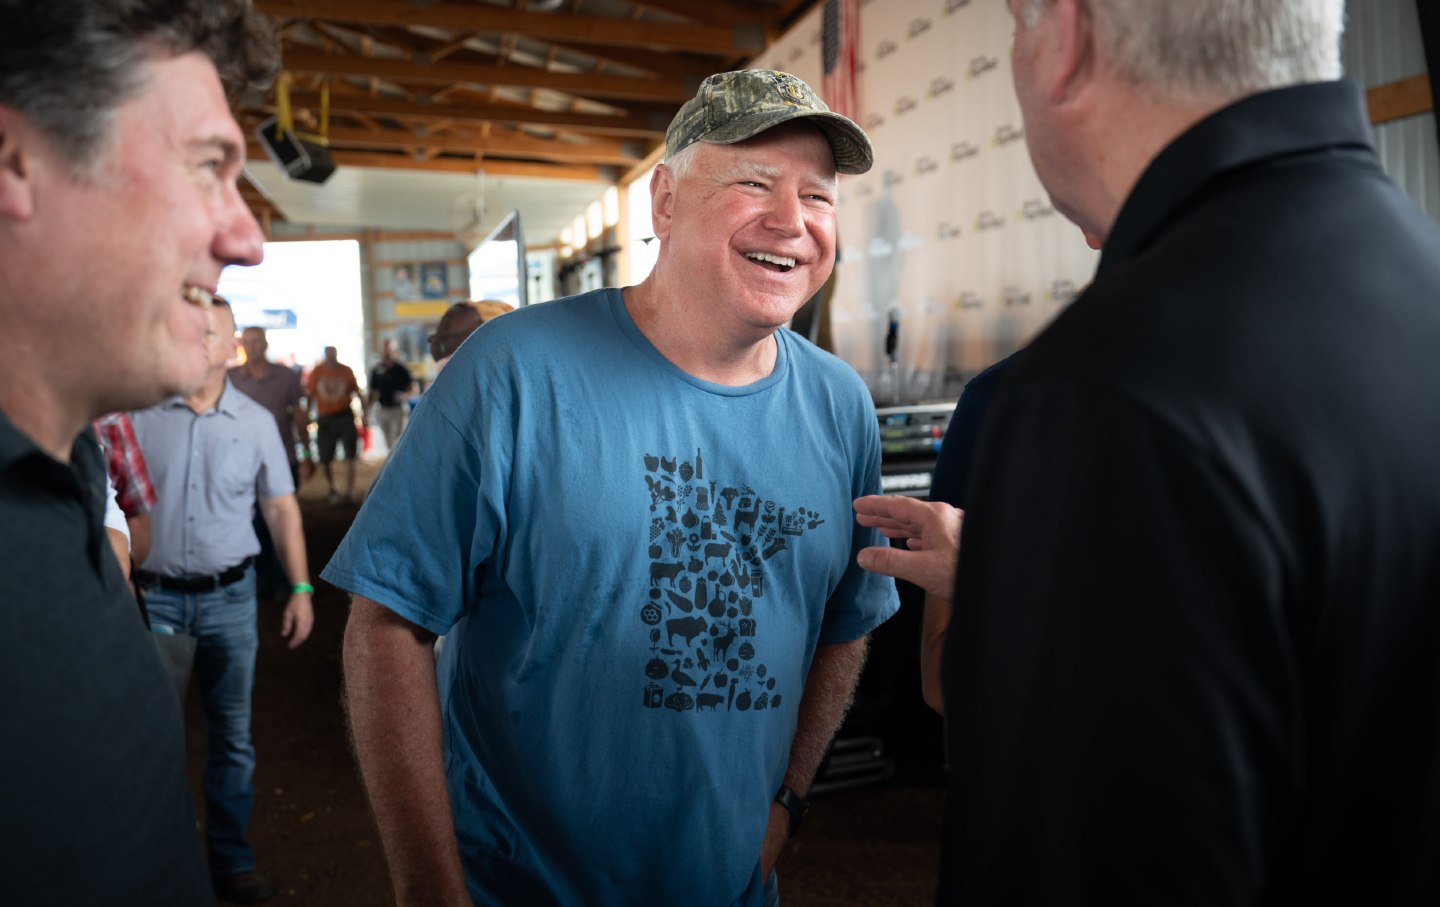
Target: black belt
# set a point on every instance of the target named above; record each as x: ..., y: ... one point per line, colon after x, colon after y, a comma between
x: 194, y: 582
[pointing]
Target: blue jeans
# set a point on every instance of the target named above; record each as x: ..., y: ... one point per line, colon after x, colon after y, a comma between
x: 223, y: 623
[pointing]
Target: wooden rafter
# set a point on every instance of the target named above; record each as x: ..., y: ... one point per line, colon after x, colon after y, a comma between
x: 583, y: 84
x: 343, y: 158
x: 719, y: 40
x: 1397, y: 100
x: 631, y: 124
x: 507, y: 143
x: 673, y: 67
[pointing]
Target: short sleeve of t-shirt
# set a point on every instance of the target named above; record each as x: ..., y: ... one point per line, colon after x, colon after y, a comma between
x: 422, y: 538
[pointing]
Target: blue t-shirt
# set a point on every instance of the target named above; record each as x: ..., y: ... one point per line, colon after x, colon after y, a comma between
x: 633, y: 567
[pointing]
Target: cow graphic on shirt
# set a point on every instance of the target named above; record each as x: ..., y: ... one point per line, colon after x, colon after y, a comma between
x: 709, y: 543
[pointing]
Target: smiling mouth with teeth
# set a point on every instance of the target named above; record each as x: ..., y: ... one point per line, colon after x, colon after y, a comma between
x: 198, y: 296
x: 780, y: 262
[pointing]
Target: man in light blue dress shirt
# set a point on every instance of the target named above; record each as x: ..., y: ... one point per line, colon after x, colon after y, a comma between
x: 213, y: 455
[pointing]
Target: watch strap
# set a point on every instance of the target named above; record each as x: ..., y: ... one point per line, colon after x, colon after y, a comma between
x: 794, y: 804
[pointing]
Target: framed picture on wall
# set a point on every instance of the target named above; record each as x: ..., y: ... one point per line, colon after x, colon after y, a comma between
x: 404, y: 280
x: 434, y: 280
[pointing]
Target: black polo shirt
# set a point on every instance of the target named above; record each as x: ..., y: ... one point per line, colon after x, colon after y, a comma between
x: 1195, y: 656
x: 93, y: 802
x: 390, y: 382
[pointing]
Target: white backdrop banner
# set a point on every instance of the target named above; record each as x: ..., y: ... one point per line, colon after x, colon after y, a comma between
x: 951, y: 232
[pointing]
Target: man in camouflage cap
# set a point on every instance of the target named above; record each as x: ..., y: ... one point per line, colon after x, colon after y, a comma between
x: 629, y: 514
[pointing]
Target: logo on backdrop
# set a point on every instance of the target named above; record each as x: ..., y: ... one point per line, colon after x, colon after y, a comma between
x: 1063, y: 291
x: 926, y: 165
x: 981, y: 65
x: 969, y: 300
x: 1006, y: 134
x: 952, y: 6
x: 947, y: 230
x: 988, y: 220
x: 1014, y: 296
x: 710, y: 542
x: 962, y: 150
x: 885, y: 49
x: 919, y: 27
x: 940, y: 85
x: 1034, y: 209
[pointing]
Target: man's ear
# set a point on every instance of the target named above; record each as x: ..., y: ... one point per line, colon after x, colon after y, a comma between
x: 17, y: 190
x: 662, y: 201
x: 1073, y: 55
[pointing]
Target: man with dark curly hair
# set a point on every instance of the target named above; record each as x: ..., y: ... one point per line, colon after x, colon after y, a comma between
x: 118, y: 209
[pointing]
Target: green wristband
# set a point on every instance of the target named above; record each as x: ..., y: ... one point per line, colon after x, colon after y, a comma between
x: 302, y: 587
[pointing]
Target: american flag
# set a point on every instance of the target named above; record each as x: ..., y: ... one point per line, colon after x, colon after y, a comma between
x: 840, y: 41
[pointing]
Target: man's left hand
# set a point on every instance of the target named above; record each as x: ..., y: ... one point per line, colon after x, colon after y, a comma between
x: 777, y: 832
x: 931, y: 531
x: 298, y: 620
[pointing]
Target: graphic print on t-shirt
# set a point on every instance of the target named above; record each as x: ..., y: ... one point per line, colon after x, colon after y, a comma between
x: 710, y: 542
x: 332, y: 390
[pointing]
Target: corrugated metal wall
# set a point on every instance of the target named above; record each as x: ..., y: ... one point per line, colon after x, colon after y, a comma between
x: 1382, y: 44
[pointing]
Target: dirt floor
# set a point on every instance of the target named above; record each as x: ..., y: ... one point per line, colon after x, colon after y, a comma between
x: 316, y: 840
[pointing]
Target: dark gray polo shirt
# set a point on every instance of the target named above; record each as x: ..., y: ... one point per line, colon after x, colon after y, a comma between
x: 93, y: 803
x: 208, y: 470
x: 278, y: 392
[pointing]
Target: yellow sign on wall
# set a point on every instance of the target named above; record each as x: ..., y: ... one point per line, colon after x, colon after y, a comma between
x: 420, y: 309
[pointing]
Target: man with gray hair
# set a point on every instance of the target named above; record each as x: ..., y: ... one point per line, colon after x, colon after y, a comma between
x: 628, y: 513
x: 1197, y: 613
x: 118, y: 209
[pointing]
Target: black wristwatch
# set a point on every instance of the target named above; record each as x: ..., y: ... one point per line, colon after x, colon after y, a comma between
x: 796, y: 805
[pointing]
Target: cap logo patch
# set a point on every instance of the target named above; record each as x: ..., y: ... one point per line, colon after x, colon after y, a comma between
x: 790, y: 88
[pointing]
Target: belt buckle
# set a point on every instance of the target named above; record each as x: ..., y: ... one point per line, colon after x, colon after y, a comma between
x: 189, y: 585
x: 235, y: 573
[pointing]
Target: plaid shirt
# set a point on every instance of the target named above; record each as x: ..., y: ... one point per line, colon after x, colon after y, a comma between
x: 126, y: 464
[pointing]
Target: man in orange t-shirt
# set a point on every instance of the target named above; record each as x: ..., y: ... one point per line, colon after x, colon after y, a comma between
x: 332, y: 387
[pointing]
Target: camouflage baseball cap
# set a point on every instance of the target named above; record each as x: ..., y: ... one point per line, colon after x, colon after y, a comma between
x: 734, y: 106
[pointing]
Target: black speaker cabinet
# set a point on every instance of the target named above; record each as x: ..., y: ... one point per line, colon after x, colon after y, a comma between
x: 300, y: 159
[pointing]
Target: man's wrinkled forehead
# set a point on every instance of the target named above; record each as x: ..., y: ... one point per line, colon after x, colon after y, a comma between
x: 747, y: 168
